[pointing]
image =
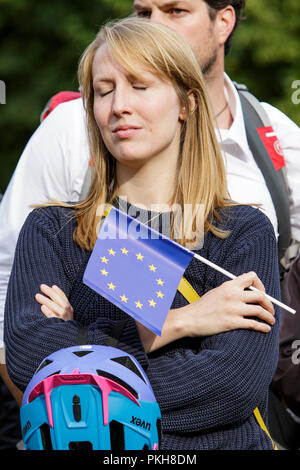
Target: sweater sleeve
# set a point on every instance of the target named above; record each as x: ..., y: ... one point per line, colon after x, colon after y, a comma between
x: 226, y: 376
x: 41, y: 257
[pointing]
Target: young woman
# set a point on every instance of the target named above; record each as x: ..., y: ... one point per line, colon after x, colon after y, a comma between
x: 152, y: 141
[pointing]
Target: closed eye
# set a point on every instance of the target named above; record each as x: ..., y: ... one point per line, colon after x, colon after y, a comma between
x: 102, y: 93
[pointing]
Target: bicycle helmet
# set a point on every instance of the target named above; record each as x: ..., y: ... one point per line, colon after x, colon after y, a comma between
x: 90, y: 398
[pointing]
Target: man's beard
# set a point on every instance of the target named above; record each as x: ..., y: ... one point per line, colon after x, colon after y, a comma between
x: 207, y: 66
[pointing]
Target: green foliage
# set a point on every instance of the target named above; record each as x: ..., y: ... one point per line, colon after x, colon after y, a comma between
x: 265, y: 52
x: 41, y: 42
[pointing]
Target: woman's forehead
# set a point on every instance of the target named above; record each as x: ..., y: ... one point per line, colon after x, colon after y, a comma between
x: 105, y: 62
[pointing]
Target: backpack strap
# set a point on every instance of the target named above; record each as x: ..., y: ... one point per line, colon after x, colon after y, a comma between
x: 191, y: 296
x: 255, y: 118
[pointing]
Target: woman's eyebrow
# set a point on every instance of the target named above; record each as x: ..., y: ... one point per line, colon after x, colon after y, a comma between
x: 102, y: 80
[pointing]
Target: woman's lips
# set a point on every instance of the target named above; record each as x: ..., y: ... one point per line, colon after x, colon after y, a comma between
x: 124, y: 132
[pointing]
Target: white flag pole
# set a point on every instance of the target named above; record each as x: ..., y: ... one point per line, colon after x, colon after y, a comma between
x: 232, y: 276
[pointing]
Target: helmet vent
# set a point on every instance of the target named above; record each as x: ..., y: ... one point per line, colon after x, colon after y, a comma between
x: 76, y: 408
x: 80, y: 445
x: 109, y: 376
x: 54, y: 373
x: 117, y: 440
x: 81, y: 353
x: 129, y: 364
x: 44, y: 364
x: 46, y: 437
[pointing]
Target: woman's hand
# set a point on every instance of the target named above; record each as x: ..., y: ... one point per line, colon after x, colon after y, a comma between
x: 56, y: 304
x: 227, y: 307
x: 230, y: 307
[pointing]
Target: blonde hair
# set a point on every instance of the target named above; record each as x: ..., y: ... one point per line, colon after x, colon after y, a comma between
x: 201, y: 173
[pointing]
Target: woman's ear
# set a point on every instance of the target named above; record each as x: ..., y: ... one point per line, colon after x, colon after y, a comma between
x: 192, y: 106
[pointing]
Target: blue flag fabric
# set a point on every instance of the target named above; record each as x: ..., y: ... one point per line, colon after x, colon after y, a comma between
x: 136, y: 268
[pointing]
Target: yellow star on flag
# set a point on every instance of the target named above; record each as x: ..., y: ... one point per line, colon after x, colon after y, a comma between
x: 138, y: 304
x: 104, y: 272
x: 124, y: 251
x: 111, y: 252
x: 152, y: 268
x: 152, y: 303
x: 104, y: 260
x: 124, y: 298
x: 160, y: 282
x: 159, y: 294
x: 139, y: 256
x: 111, y: 286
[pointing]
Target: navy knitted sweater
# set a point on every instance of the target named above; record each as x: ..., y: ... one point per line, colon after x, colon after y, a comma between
x: 207, y: 387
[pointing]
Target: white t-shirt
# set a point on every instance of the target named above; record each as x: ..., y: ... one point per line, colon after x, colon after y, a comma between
x: 55, y: 160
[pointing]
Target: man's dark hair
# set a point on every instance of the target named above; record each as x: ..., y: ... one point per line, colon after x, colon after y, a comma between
x: 215, y: 5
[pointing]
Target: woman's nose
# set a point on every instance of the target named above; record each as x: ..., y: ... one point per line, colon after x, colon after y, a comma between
x: 121, y: 102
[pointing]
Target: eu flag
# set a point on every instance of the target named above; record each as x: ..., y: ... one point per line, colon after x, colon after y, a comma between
x: 136, y: 268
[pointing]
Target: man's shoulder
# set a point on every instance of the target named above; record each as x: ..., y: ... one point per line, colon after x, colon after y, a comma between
x: 67, y: 112
x: 274, y: 114
x: 278, y: 118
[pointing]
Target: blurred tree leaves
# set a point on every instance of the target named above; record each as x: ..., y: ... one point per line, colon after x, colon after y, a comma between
x: 41, y: 42
x: 266, y: 51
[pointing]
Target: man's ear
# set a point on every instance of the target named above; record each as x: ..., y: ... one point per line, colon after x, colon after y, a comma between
x: 192, y: 106
x: 225, y: 20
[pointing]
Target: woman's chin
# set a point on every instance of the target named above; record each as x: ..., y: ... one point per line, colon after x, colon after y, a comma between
x: 131, y: 161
